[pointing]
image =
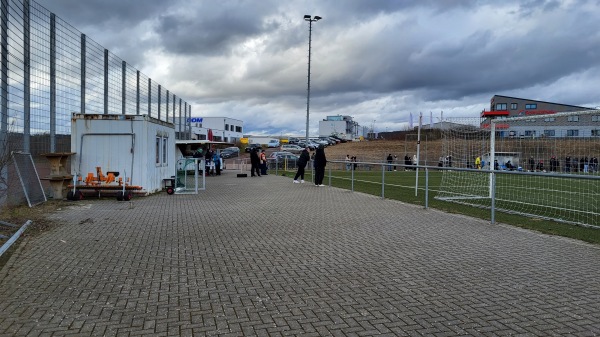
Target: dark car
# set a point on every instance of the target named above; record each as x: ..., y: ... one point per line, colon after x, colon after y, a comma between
x: 253, y: 146
x: 229, y: 153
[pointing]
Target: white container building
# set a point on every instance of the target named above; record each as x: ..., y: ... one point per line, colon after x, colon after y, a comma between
x: 138, y: 147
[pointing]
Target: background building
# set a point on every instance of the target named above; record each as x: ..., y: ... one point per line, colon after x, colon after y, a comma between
x: 220, y: 129
x: 502, y: 107
x: 341, y: 126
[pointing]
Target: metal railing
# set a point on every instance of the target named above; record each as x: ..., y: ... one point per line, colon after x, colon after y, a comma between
x: 13, y: 238
x: 355, y: 173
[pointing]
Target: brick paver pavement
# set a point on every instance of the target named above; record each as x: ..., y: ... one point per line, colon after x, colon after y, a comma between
x: 265, y: 257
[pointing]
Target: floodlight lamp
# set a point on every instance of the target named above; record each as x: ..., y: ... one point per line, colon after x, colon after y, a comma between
x: 317, y: 18
x: 307, y: 17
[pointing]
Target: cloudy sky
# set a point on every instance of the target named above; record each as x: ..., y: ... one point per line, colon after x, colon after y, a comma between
x: 375, y: 60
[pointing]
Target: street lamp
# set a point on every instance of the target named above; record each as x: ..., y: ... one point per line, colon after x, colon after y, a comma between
x: 310, y: 21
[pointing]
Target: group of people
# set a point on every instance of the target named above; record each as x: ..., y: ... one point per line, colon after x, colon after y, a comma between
x: 258, y: 163
x: 351, y: 163
x: 582, y: 164
x: 212, y: 161
x: 319, y: 163
x: 575, y: 164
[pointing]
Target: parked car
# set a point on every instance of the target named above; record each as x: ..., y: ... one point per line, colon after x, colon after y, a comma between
x: 326, y: 139
x: 253, y: 146
x: 342, y: 140
x: 293, y: 140
x: 320, y: 142
x: 311, y: 145
x: 280, y: 155
x: 293, y: 148
x: 232, y: 148
x: 273, y: 143
x: 230, y: 152
x: 282, y: 160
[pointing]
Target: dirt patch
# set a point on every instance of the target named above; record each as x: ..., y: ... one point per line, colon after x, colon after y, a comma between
x: 378, y: 150
x: 19, y: 215
x: 38, y: 215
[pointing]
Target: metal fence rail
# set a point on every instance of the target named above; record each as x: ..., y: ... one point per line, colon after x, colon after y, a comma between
x: 13, y: 238
x: 496, y: 196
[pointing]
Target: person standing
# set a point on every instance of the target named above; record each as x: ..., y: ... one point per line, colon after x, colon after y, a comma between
x: 390, y: 160
x: 395, y: 161
x: 254, y: 160
x: 263, y: 162
x: 217, y: 161
x: 348, y: 164
x: 302, y: 161
x: 320, y: 163
x: 531, y: 164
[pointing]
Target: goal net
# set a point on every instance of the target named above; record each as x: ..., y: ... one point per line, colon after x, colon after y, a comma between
x: 547, y: 165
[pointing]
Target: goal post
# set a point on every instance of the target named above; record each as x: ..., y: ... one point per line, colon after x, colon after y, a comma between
x: 546, y: 165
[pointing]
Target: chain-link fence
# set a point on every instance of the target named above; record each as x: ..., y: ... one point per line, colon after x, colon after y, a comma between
x: 50, y: 70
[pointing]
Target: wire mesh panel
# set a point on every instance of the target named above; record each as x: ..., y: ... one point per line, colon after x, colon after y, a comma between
x: 32, y: 186
x: 547, y: 165
x: 563, y: 150
x: 191, y: 176
x: 50, y: 70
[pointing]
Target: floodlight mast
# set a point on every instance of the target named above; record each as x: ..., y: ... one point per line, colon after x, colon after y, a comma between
x: 310, y: 21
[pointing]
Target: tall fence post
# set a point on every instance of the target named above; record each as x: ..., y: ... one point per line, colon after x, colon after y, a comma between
x: 352, y: 177
x: 426, y: 188
x: 493, y: 206
x: 382, y: 181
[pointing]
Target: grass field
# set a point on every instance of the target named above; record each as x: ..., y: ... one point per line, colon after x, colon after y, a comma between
x: 569, y: 201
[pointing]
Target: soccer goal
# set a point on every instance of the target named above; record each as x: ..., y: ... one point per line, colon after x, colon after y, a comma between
x: 546, y: 165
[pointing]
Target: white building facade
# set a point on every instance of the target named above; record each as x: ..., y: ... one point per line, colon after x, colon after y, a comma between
x: 218, y: 129
x: 341, y: 126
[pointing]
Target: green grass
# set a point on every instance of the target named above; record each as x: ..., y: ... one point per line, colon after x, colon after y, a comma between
x: 513, y: 191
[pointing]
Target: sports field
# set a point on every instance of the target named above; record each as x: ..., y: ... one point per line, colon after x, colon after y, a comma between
x: 535, y: 197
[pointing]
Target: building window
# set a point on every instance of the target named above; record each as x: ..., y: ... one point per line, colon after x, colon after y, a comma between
x: 165, y: 150
x: 157, y: 157
x: 549, y: 133
x: 595, y: 118
x: 572, y: 133
x: 549, y: 119
x: 596, y: 133
x: 226, y: 127
x: 573, y: 118
x: 514, y: 106
x: 501, y: 106
x: 161, y: 150
x: 529, y: 133
x: 530, y: 106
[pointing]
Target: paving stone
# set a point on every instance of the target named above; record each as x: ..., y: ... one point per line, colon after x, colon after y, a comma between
x: 264, y: 257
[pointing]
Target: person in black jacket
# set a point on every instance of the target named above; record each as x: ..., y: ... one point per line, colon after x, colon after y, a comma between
x: 302, y: 161
x: 320, y: 162
x: 254, y: 160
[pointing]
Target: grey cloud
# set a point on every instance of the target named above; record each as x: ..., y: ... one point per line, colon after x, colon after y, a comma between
x: 248, y: 59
